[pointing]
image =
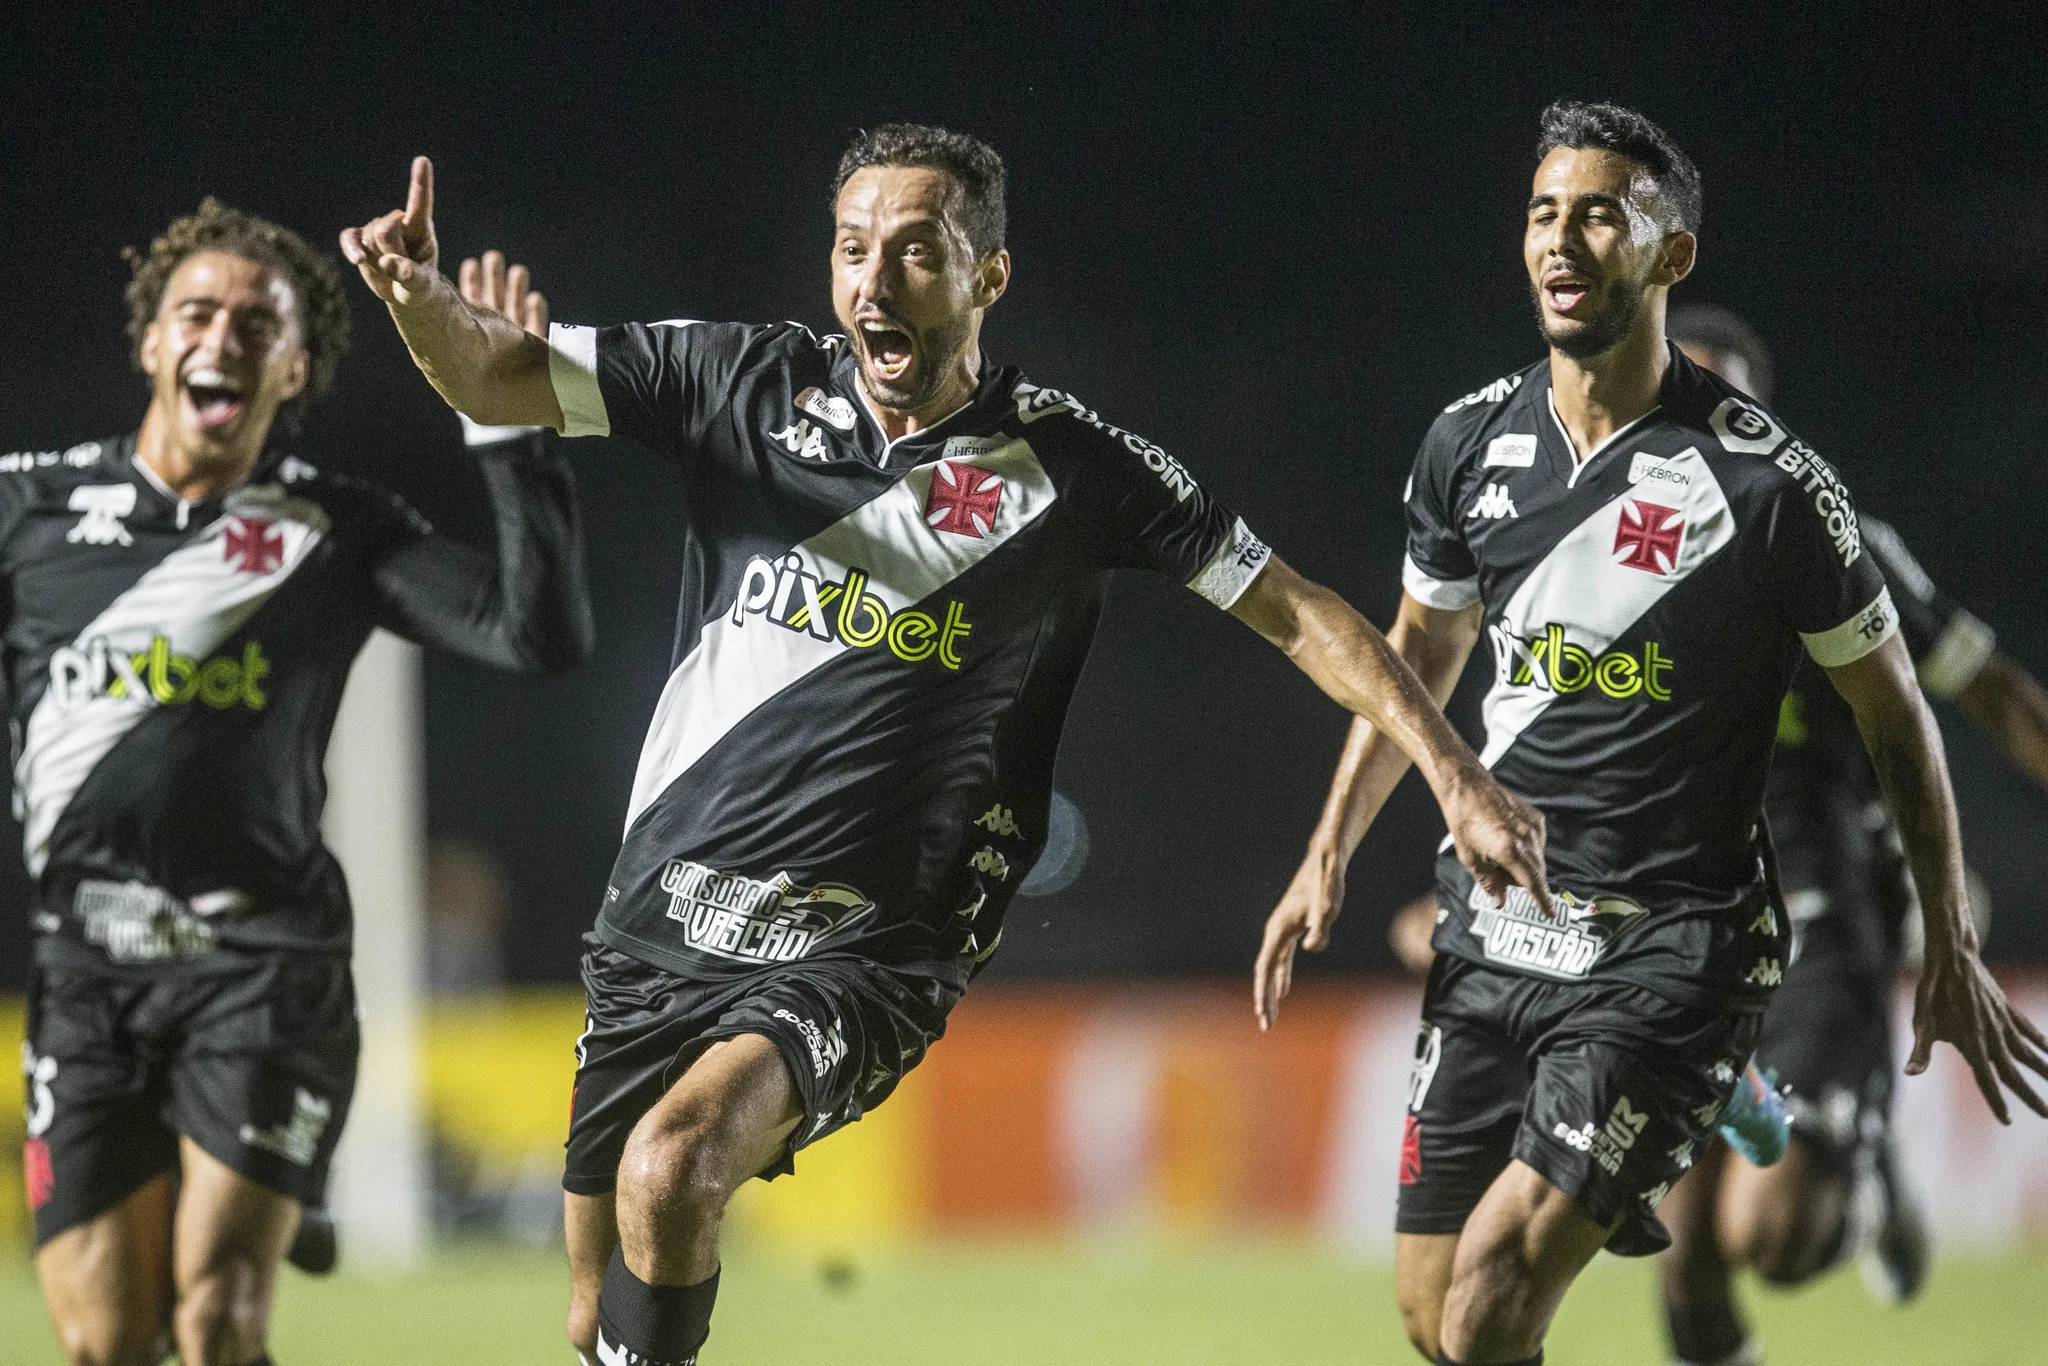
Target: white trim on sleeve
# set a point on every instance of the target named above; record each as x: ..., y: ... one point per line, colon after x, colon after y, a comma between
x: 1447, y: 595
x: 1233, y: 567
x: 1958, y: 657
x: 572, y: 369
x: 476, y: 433
x: 1857, y: 636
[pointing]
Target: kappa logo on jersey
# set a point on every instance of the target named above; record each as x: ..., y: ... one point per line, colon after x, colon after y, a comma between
x: 251, y: 545
x: 1034, y: 403
x: 1564, y: 943
x: 789, y: 595
x: 1745, y: 428
x: 730, y: 915
x: 1492, y: 393
x: 94, y: 668
x: 297, y: 1140
x: 1551, y: 662
x: 1493, y: 504
x: 1651, y: 535
x: 963, y: 500
x: 1830, y: 498
x: 830, y: 409
x: 990, y: 861
x: 998, y: 820
x: 104, y: 505
x: 803, y: 440
x: 827, y: 1045
x: 1768, y: 972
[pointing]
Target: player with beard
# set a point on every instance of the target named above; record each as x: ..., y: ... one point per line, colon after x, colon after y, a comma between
x: 1827, y: 1034
x: 183, y: 605
x: 897, y: 552
x: 1650, y: 553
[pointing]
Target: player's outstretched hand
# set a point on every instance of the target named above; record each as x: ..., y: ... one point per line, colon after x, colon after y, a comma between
x: 1959, y: 1000
x: 489, y: 283
x: 1302, y: 920
x: 396, y: 252
x: 1499, y: 837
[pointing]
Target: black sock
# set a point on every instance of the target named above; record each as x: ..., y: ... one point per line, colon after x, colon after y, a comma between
x: 1706, y: 1332
x: 1444, y: 1358
x: 657, y: 1325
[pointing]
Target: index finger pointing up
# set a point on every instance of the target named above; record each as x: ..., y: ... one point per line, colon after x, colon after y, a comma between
x: 419, y: 199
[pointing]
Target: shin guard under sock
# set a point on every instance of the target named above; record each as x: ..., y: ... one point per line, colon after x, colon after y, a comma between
x: 1707, y: 1333
x: 653, y: 1325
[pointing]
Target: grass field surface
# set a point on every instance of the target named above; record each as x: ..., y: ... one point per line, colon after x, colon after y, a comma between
x: 979, y: 1305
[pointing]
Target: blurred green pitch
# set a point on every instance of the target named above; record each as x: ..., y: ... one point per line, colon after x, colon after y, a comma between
x: 1127, y: 1304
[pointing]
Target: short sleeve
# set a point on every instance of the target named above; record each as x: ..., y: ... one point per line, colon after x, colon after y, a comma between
x: 1836, y: 592
x: 1438, y: 570
x: 659, y: 383
x: 1153, y: 513
x: 1949, y: 646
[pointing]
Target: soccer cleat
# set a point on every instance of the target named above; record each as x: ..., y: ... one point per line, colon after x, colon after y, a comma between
x: 1755, y: 1122
x: 315, y: 1249
x: 1897, y: 1258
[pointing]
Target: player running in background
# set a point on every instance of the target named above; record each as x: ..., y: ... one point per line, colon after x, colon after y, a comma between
x: 183, y: 604
x: 897, y: 553
x: 1849, y: 895
x: 1650, y: 554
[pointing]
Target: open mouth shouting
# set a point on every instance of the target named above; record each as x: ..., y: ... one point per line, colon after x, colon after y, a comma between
x: 1566, y: 291
x: 216, y: 399
x: 890, y: 351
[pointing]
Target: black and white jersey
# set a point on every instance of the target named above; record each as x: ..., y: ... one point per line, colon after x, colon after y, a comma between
x: 1837, y: 849
x: 1647, y: 609
x: 876, y: 644
x: 174, y: 669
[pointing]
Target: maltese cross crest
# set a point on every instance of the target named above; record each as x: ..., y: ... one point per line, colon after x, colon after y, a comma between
x: 252, y: 546
x: 963, y: 500
x: 1651, y: 534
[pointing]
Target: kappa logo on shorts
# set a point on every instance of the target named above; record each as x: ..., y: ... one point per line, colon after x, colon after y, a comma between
x: 730, y: 915
x: 297, y: 1140
x: 1565, y: 944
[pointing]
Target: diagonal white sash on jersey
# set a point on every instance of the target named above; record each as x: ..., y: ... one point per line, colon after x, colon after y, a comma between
x: 736, y: 668
x: 195, y: 598
x: 1583, y: 586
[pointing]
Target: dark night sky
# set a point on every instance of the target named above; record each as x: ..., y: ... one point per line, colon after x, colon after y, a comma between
x: 1276, y: 247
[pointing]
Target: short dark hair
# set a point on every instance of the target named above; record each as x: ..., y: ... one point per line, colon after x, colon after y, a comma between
x: 1624, y: 132
x: 1718, y: 329
x: 972, y: 163
x: 315, y: 280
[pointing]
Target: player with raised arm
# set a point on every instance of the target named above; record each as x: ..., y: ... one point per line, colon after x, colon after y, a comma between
x: 183, y: 605
x: 1650, y: 553
x: 897, y: 552
x: 1849, y: 896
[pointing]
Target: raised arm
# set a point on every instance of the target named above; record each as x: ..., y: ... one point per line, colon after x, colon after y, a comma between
x: 1958, y: 1000
x: 1400, y: 720
x: 490, y: 367
x: 526, y: 609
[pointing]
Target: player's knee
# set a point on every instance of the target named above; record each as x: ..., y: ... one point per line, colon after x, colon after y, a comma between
x: 1778, y: 1240
x: 680, y: 1166
x: 222, y: 1317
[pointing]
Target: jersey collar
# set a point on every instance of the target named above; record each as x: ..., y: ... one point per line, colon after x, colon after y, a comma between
x: 907, y: 451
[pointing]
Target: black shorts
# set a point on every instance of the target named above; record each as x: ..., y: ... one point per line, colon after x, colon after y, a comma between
x: 251, y: 1055
x: 1828, y: 1036
x: 848, y: 1028
x: 1606, y: 1089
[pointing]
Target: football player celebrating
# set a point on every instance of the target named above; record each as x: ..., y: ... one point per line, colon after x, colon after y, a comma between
x: 183, y: 604
x: 1848, y: 892
x: 897, y: 551
x: 1650, y: 554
